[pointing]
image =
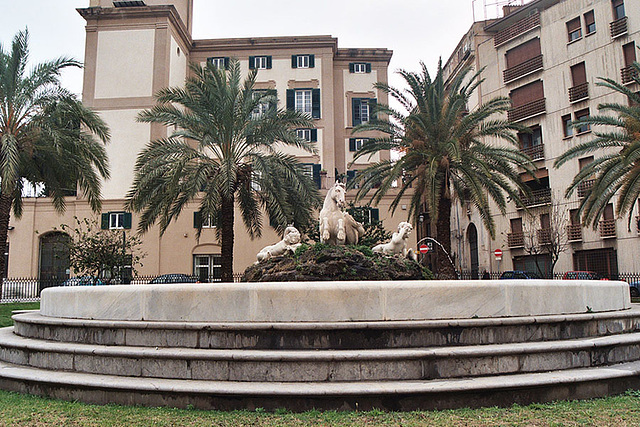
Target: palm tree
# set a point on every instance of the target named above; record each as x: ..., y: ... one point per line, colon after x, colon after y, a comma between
x: 47, y: 136
x: 224, y: 151
x: 444, y: 153
x: 618, y: 170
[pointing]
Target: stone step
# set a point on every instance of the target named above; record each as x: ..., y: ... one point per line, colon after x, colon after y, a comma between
x: 338, y: 335
x: 319, y: 365
x: 392, y: 395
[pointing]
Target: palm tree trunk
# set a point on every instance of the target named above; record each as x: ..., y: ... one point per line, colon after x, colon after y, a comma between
x: 226, y: 223
x: 443, y: 234
x: 5, y: 211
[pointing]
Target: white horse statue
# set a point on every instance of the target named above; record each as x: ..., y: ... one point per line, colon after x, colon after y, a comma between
x: 289, y: 243
x: 398, y: 243
x: 336, y: 226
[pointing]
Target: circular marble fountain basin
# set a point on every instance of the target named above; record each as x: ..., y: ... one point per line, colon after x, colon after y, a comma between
x: 334, y: 301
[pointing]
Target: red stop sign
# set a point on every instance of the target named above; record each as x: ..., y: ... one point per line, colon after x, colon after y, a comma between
x: 498, y: 253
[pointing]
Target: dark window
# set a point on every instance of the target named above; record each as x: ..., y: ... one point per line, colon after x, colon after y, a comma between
x: 360, y: 67
x: 207, y: 268
x: 304, y: 100
x: 303, y: 61
x: 574, y: 217
x: 523, y: 53
x: 574, y: 30
x: 219, y: 61
x: 260, y: 62
x: 362, y: 110
x: 618, y: 9
x: 590, y: 22
x: 528, y: 140
x: 356, y: 143
x: 527, y: 94
x: 115, y: 221
x: 629, y: 51
x: 516, y: 225
x: 578, y: 74
x: 566, y: 125
x: 580, y: 115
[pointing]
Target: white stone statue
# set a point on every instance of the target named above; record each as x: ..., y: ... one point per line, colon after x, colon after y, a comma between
x: 398, y: 243
x: 336, y: 226
x: 289, y: 243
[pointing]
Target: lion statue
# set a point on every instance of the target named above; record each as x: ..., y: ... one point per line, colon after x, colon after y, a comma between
x: 290, y: 242
x: 398, y: 243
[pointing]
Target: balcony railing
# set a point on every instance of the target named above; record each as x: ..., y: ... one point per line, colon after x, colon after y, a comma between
x: 578, y: 93
x: 585, y: 187
x: 608, y: 228
x: 628, y: 73
x: 527, y: 67
x: 538, y: 197
x: 574, y: 232
x: 536, y: 152
x: 515, y: 240
x: 530, y: 109
x: 516, y: 29
x: 619, y: 27
x: 544, y: 236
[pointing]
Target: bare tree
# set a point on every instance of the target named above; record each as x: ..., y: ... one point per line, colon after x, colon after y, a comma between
x: 545, y: 234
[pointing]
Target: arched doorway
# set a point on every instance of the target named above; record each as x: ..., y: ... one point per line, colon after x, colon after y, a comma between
x: 54, y: 259
x: 472, y: 235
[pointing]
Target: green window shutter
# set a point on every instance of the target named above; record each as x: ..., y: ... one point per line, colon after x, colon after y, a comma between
x: 269, y: 62
x: 368, y: 67
x: 352, y: 67
x: 314, y: 135
x: 375, y: 215
x: 355, y: 104
x: 226, y: 62
x: 316, y: 175
x: 197, y: 219
x: 127, y: 220
x: 312, y: 61
x: 273, y: 106
x: 373, y: 102
x: 104, y: 221
x: 315, y: 103
x: 294, y: 61
x: 350, y: 176
x: 252, y: 62
x: 352, y: 144
x: 291, y: 99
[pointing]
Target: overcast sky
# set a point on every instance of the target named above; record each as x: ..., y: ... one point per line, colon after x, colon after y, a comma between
x: 414, y: 29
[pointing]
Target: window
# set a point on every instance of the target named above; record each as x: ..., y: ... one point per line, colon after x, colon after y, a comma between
x: 203, y: 221
x: 578, y: 74
x: 219, y: 61
x: 304, y: 100
x: 589, y: 22
x: 263, y: 107
x: 116, y: 221
x: 618, y: 9
x: 309, y: 135
x: 302, y: 61
x: 312, y: 170
x: 260, y: 62
x: 256, y: 177
x: 361, y: 110
x: 533, y: 139
x: 356, y: 144
x: 527, y: 94
x: 574, y: 30
x: 207, y: 268
x: 359, y: 67
x: 523, y: 53
x: 567, y: 126
x: 580, y: 115
x: 629, y: 52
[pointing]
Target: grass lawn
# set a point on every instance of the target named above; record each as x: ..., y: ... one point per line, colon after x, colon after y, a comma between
x: 24, y: 410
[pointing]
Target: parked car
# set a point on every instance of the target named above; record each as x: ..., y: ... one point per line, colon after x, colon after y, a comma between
x: 582, y: 275
x: 174, y: 278
x: 517, y: 274
x: 634, y: 289
x: 82, y: 281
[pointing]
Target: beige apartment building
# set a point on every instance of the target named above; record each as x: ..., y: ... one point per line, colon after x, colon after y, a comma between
x: 547, y: 56
x: 135, y: 48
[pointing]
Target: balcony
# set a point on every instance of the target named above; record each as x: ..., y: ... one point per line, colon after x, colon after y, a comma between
x: 574, y: 232
x: 520, y: 27
x: 584, y: 188
x: 628, y: 73
x: 527, y: 67
x: 537, y: 197
x: 544, y: 236
x: 515, y: 240
x: 578, y: 93
x: 525, y: 111
x: 618, y: 28
x: 536, y: 152
x: 607, y: 228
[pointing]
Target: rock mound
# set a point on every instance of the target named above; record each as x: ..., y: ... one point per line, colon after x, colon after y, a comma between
x: 324, y: 262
